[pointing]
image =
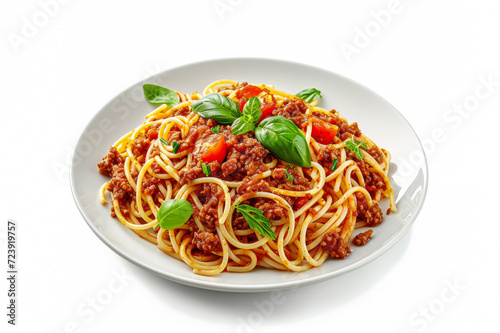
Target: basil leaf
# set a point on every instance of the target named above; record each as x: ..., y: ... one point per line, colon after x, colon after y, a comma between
x: 252, y: 109
x: 174, y: 213
x: 242, y: 125
x: 217, y: 107
x: 334, y: 164
x: 216, y: 129
x: 175, y: 145
x: 308, y: 95
x: 289, y: 177
x: 284, y: 140
x: 159, y: 95
x: 206, y: 169
x: 355, y: 146
x: 256, y: 220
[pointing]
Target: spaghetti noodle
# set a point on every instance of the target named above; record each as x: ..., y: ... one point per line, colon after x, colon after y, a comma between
x: 311, y: 211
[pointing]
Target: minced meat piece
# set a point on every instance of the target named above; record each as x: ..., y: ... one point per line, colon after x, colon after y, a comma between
x: 334, y: 244
x: 207, y: 242
x: 211, y: 195
x: 362, y: 238
x: 372, y: 216
x: 108, y: 161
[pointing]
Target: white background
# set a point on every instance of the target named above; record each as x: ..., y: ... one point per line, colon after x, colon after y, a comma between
x: 61, y: 61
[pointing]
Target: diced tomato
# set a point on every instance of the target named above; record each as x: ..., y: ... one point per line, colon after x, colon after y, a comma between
x: 248, y: 92
x: 323, y: 132
x: 267, y: 109
x: 300, y: 202
x: 241, y: 103
x: 216, y: 151
x: 152, y: 133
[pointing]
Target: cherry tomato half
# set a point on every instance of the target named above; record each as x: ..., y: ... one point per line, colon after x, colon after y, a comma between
x: 241, y: 103
x: 248, y: 92
x: 216, y: 149
x: 323, y: 132
x: 267, y: 109
x: 300, y: 202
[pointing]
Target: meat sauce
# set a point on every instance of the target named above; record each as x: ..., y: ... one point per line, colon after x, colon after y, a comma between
x: 244, y: 161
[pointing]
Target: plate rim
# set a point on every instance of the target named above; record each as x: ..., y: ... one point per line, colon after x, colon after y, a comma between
x: 211, y: 285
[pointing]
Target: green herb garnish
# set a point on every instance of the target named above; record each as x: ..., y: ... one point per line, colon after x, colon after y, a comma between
x: 355, y: 146
x: 174, y: 213
x: 216, y: 129
x: 206, y: 169
x: 256, y: 220
x: 308, y: 95
x: 175, y: 145
x: 278, y: 134
x: 251, y: 115
x: 217, y: 107
x: 284, y: 140
x: 159, y: 95
x: 334, y: 164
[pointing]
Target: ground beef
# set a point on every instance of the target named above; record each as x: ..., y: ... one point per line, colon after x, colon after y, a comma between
x: 373, y: 180
x: 330, y: 118
x: 376, y: 154
x: 377, y: 181
x: 140, y: 146
x: 150, y: 185
x: 279, y: 175
x: 362, y: 204
x: 196, y: 132
x: 210, y: 197
x: 271, y: 209
x: 157, y: 169
x: 334, y: 244
x: 108, y: 161
x: 252, y: 184
x: 293, y: 109
x: 362, y: 238
x: 346, y: 131
x: 372, y: 216
x: 207, y: 242
x: 119, y: 185
x: 245, y: 157
x: 190, y: 173
x: 239, y: 222
x: 298, y: 182
x: 327, y: 155
x: 112, y: 165
x: 174, y: 136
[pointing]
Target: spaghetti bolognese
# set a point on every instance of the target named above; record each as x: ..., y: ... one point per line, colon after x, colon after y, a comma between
x: 244, y: 175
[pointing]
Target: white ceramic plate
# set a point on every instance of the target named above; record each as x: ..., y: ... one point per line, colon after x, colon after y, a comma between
x: 376, y: 118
